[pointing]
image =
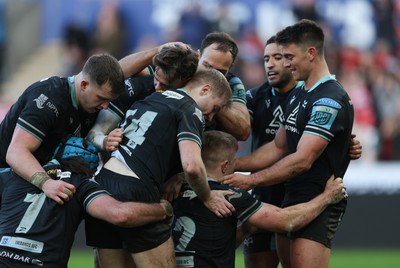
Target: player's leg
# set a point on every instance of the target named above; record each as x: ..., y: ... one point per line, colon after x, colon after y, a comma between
x: 162, y: 256
x: 309, y: 254
x: 259, y: 250
x: 114, y: 258
x: 283, y: 245
x: 311, y: 246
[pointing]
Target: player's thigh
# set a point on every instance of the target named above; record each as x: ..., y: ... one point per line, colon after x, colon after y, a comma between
x: 265, y: 259
x: 283, y: 246
x: 259, y: 250
x: 162, y: 256
x: 114, y: 258
x: 309, y: 254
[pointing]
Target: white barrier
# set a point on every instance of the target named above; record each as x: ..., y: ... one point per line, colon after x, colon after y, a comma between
x: 375, y: 178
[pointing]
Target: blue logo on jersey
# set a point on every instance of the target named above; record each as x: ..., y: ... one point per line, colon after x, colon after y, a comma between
x: 328, y: 102
x: 323, y: 116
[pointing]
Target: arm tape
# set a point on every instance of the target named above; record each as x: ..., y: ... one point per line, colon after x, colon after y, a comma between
x: 39, y: 178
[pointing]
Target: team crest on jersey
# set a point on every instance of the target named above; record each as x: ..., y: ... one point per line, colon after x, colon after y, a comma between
x: 172, y: 95
x: 40, y: 101
x: 292, y: 100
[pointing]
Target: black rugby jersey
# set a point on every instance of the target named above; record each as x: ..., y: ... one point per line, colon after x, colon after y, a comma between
x: 202, y: 239
x: 266, y: 108
x: 152, y: 129
x: 326, y: 111
x: 48, y: 111
x: 136, y: 88
x: 34, y: 230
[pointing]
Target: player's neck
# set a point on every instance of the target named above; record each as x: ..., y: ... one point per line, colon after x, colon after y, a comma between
x: 319, y: 72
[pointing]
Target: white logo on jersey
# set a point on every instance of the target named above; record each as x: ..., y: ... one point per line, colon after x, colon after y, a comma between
x: 198, y: 113
x: 235, y: 195
x: 292, y: 100
x: 40, y: 101
x: 172, y: 94
x: 278, y: 117
x: 293, y: 115
x: 190, y: 194
x: 268, y: 103
x: 304, y: 104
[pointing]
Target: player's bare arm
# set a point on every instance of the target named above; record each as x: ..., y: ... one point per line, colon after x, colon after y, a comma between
x: 129, y: 214
x: 295, y: 217
x: 265, y: 155
x: 235, y: 119
x: 20, y: 150
x: 104, y: 134
x: 196, y: 176
x: 309, y: 148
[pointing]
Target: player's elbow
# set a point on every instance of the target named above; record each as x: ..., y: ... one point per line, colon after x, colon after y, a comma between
x: 244, y: 132
x: 120, y: 218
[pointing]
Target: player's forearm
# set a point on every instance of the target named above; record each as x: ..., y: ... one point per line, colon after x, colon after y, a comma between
x: 302, y: 214
x: 30, y: 170
x: 281, y: 171
x: 136, y: 62
x: 132, y: 214
x: 197, y: 180
x: 235, y: 121
x: 261, y: 158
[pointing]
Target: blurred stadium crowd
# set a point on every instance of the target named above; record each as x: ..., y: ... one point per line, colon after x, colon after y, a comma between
x: 362, y: 48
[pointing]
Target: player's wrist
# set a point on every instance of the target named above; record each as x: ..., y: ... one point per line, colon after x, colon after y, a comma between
x: 39, y: 179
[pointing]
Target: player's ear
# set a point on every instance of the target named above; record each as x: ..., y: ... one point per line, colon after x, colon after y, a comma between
x: 205, y: 90
x: 224, y: 166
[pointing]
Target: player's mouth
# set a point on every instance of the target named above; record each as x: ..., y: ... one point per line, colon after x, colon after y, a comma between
x: 272, y: 74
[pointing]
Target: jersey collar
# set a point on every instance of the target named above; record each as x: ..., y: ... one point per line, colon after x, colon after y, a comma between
x: 71, y: 82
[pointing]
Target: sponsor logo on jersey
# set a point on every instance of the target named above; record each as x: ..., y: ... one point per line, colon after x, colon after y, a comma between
x: 172, y: 95
x: 129, y: 87
x: 184, y: 261
x: 40, y: 101
x: 17, y: 257
x: 328, y: 102
x: 22, y: 244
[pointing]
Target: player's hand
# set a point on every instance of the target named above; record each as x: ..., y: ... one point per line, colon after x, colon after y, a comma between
x: 58, y: 190
x: 238, y: 180
x: 355, y: 149
x: 335, y: 190
x: 169, y: 211
x: 218, y: 204
x: 171, y: 188
x: 113, y: 140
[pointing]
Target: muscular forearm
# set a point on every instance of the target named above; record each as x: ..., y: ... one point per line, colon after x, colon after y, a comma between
x: 136, y: 62
x: 235, y: 121
x: 286, y: 168
x: 300, y: 215
x: 29, y: 168
x: 261, y: 158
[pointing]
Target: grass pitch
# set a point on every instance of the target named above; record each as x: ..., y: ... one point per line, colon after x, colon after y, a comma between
x: 340, y: 258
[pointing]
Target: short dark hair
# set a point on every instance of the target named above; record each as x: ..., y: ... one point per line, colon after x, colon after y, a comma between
x: 224, y: 41
x: 103, y: 68
x: 178, y: 63
x: 217, y: 146
x: 271, y: 40
x: 304, y: 33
